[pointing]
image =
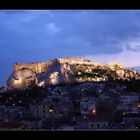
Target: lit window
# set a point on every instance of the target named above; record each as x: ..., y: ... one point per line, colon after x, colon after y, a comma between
x: 124, y: 113
x: 50, y: 110
x: 94, y: 111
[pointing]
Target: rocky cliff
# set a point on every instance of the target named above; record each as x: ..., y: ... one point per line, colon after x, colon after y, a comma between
x: 67, y: 70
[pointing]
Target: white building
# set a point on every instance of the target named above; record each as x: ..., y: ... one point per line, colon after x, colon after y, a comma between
x: 97, y: 124
x: 131, y: 119
x: 129, y: 98
x: 11, y: 112
x: 88, y: 107
x: 123, y: 107
x: 40, y: 110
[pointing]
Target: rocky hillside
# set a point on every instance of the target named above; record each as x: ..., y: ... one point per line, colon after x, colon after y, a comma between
x: 71, y: 70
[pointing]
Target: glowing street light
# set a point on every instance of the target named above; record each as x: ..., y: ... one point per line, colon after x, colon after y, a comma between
x: 94, y: 111
x: 50, y: 110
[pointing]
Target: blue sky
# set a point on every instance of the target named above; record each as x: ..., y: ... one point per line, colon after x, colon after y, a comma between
x: 40, y: 35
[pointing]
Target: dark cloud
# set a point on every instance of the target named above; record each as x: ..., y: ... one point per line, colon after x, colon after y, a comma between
x: 41, y: 35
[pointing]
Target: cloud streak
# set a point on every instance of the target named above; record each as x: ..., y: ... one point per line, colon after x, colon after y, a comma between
x: 129, y: 56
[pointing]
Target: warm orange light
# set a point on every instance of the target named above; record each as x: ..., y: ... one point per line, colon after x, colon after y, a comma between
x: 124, y: 113
x: 50, y: 110
x: 41, y: 84
x: 94, y: 111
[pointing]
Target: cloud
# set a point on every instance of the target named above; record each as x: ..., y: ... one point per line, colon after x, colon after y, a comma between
x: 132, y: 44
x: 40, y: 35
x: 129, y: 56
x: 52, y: 28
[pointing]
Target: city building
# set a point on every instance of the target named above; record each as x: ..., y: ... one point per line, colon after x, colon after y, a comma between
x: 88, y: 107
x: 129, y: 98
x: 41, y: 110
x: 95, y: 123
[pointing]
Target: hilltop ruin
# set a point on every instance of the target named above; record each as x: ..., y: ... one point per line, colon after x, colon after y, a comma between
x: 67, y: 70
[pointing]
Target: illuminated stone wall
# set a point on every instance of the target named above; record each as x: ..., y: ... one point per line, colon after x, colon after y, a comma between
x: 43, y: 67
x: 35, y: 67
x: 63, y: 70
x: 39, y: 67
x: 70, y: 60
x: 22, y: 79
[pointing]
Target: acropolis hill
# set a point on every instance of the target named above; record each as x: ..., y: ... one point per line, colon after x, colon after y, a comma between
x: 67, y: 70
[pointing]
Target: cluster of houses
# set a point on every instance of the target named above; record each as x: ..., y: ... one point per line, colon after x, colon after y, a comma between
x: 90, y: 118
x: 83, y: 111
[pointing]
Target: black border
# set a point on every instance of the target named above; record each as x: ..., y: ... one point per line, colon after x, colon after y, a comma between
x: 69, y: 4
x: 70, y: 135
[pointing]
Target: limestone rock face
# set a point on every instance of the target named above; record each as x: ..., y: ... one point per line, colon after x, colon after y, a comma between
x: 54, y: 78
x: 21, y: 78
x: 67, y: 70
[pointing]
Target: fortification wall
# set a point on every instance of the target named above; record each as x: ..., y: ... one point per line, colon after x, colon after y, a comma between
x: 70, y: 60
x: 38, y: 67
x: 75, y: 60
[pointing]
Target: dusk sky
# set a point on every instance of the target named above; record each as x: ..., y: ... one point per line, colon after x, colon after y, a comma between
x: 41, y: 35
